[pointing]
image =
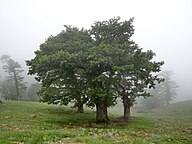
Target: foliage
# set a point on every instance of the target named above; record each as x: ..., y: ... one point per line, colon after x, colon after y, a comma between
x: 14, y: 82
x: 56, y: 66
x: 126, y: 66
x: 94, y: 67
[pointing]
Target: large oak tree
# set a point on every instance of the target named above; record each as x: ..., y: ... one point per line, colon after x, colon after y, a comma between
x: 59, y: 65
x: 132, y: 70
x: 94, y: 67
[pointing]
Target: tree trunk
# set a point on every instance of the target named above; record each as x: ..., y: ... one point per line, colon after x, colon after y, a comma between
x: 127, y: 107
x: 101, y: 116
x: 16, y: 85
x: 80, y: 108
x: 167, y: 100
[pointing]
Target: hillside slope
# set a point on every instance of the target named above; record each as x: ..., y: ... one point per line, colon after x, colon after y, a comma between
x: 180, y: 110
x: 37, y: 123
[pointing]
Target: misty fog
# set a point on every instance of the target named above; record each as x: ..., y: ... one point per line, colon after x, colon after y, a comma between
x: 162, y: 26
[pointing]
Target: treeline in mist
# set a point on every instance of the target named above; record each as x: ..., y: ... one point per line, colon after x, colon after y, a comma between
x: 163, y: 93
x: 13, y: 85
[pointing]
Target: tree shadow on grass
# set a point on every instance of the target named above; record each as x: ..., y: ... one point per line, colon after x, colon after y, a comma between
x: 70, y: 117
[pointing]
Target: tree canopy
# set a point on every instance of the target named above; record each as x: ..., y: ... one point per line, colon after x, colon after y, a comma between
x: 94, y: 67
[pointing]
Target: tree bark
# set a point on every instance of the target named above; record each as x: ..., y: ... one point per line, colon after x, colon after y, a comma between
x: 127, y: 107
x: 16, y: 85
x: 167, y: 99
x: 80, y: 108
x: 101, y: 115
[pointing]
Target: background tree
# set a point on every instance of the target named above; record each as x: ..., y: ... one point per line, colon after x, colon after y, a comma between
x: 32, y: 92
x: 163, y: 92
x: 14, y: 70
x: 168, y: 87
x: 155, y: 100
x: 0, y: 91
x: 8, y: 90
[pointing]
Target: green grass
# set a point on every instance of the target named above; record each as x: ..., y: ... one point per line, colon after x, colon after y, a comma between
x: 37, y: 123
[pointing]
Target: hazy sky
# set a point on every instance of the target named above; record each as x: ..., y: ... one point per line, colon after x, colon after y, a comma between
x: 164, y: 26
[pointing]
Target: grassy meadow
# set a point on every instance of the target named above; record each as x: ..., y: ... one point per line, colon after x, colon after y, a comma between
x: 38, y: 123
